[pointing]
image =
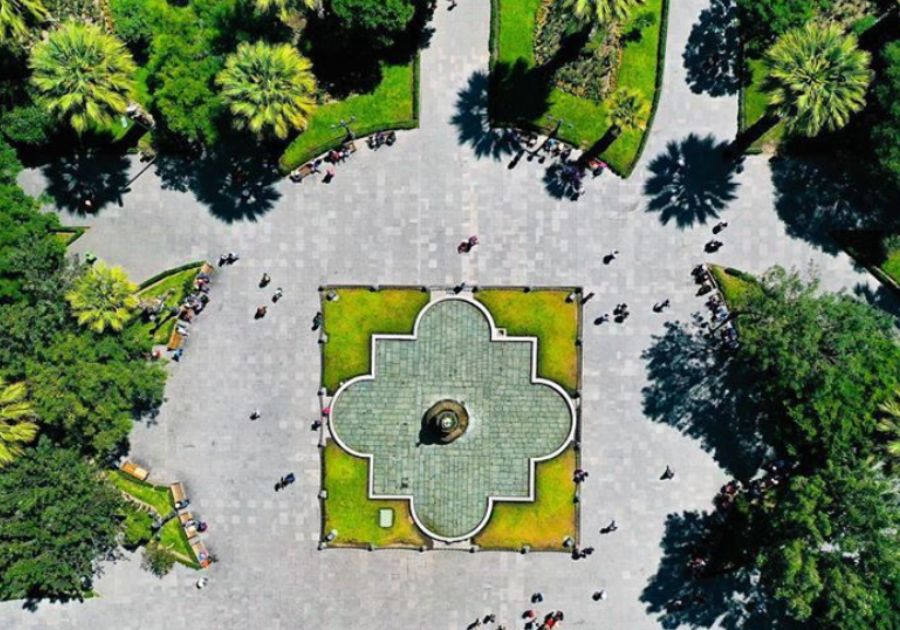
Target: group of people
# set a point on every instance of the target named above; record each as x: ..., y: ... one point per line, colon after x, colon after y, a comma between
x: 262, y: 310
x: 720, y: 317
x: 380, y: 139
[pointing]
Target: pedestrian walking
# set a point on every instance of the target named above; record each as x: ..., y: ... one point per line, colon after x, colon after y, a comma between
x: 587, y: 297
x: 265, y: 280
x: 713, y: 246
x: 261, y: 312
x: 202, y: 582
x: 611, y: 256
x: 277, y: 295
x: 718, y: 227
x: 602, y: 319
x: 451, y: 5
x: 610, y: 528
x: 318, y: 320
x: 667, y: 474
x: 537, y: 598
x: 599, y: 595
x: 659, y: 307
x: 255, y: 415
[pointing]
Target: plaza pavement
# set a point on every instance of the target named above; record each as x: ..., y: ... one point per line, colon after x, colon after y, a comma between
x: 396, y: 216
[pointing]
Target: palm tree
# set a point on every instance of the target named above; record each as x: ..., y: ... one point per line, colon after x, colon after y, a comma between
x: 16, y: 16
x: 268, y: 86
x: 84, y: 75
x: 627, y: 110
x: 103, y: 298
x: 817, y: 78
x: 603, y: 11
x: 889, y: 425
x: 17, y: 426
x: 286, y: 7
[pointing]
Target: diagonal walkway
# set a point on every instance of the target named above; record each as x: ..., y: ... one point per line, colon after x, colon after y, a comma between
x: 396, y: 216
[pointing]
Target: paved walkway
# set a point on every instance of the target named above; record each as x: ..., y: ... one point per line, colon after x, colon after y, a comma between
x: 396, y: 216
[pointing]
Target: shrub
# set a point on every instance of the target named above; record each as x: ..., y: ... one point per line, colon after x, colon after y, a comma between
x: 134, y: 21
x: 381, y: 21
x: 157, y: 560
x: 29, y: 125
x: 137, y: 528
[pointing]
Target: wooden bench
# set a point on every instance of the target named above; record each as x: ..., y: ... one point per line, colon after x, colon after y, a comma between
x: 301, y: 173
x: 130, y: 468
x: 179, y: 496
x: 185, y: 518
x: 200, y: 552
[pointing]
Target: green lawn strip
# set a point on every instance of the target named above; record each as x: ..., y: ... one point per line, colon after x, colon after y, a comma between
x: 543, y: 524
x: 392, y: 105
x: 172, y: 535
x: 734, y: 284
x: 176, y: 280
x: 891, y: 266
x: 754, y: 102
x: 350, y: 511
x: 351, y: 320
x: 639, y: 69
x: 875, y: 250
x: 544, y: 314
x: 69, y: 234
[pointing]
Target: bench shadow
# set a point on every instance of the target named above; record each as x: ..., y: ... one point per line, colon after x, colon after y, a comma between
x: 692, y: 181
x: 84, y: 182
x: 712, y: 55
x: 696, y: 387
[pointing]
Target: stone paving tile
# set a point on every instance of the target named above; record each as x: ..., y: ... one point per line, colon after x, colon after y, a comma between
x: 511, y: 419
x: 396, y: 216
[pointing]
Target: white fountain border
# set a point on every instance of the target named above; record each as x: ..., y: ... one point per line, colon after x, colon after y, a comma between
x: 495, y: 336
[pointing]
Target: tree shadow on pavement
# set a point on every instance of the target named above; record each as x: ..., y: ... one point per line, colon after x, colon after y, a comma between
x: 234, y: 185
x: 712, y: 55
x: 692, y: 181
x: 473, y: 124
x: 696, y: 387
x: 721, y: 599
x: 815, y: 198
x: 519, y: 93
x: 85, y: 181
x: 559, y: 181
x: 882, y: 298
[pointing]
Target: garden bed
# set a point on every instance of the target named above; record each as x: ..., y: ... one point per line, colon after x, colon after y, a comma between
x: 392, y: 105
x: 171, y: 535
x: 350, y: 322
x: 733, y: 284
x: 68, y: 235
x: 177, y: 283
x: 349, y: 510
x: 544, y: 314
x: 521, y: 97
x: 546, y: 522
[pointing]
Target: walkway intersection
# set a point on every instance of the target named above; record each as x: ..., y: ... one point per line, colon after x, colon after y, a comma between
x: 395, y: 217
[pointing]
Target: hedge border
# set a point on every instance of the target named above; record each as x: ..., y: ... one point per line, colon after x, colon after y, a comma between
x: 361, y: 132
x: 149, y: 282
x: 77, y: 230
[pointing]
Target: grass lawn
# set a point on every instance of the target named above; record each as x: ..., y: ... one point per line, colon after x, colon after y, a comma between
x: 754, y: 102
x: 68, y: 235
x: 350, y: 511
x: 891, y: 266
x: 734, y: 284
x: 547, y: 316
x: 876, y: 250
x: 513, y: 100
x: 392, y: 105
x: 544, y: 524
x: 351, y: 321
x: 176, y: 281
x: 172, y: 535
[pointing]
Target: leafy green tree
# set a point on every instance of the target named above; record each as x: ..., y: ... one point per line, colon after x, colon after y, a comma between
x: 379, y: 21
x: 286, y: 7
x: 57, y: 519
x: 103, y: 298
x: 817, y: 78
x: 827, y: 546
x: 886, y: 130
x: 88, y: 389
x: 84, y: 76
x: 135, y: 21
x: 627, y: 110
x: 268, y: 88
x: 17, y: 425
x: 18, y: 18
x: 889, y: 427
x: 820, y: 362
x: 603, y: 11
x: 762, y: 21
x: 29, y: 125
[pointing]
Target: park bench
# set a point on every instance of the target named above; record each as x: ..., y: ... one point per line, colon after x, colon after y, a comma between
x: 301, y: 173
x: 179, y: 496
x: 187, y: 522
x: 130, y: 468
x: 200, y: 552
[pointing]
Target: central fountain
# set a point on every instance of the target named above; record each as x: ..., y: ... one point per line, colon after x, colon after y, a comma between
x: 444, y: 422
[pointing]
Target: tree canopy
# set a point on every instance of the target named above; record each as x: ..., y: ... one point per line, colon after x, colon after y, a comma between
x: 378, y: 21
x: 57, y: 517
x: 886, y: 131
